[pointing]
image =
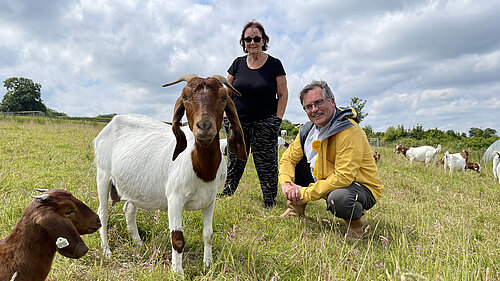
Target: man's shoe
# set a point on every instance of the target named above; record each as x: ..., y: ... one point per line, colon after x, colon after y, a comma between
x: 294, y: 210
x: 355, y: 229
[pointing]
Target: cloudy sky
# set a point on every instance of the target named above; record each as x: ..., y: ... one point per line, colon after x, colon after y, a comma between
x: 434, y: 63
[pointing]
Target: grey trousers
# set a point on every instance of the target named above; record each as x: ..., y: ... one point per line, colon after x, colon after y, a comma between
x: 347, y: 202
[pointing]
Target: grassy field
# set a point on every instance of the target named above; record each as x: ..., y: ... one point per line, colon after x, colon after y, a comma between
x: 427, y: 226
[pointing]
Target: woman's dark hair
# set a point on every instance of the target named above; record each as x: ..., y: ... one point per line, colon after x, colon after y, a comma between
x: 259, y: 26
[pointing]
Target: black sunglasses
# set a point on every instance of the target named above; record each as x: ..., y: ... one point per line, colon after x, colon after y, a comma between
x: 255, y: 39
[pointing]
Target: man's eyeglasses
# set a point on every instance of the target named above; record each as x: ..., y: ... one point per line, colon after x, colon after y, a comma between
x: 317, y: 103
x: 255, y: 39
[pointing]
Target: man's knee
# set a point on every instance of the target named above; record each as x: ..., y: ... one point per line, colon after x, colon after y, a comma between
x: 343, y: 204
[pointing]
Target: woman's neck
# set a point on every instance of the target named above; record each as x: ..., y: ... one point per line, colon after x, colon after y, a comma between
x: 256, y: 60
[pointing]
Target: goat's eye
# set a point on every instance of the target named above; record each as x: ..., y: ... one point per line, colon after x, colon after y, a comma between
x: 184, y: 97
x: 69, y: 212
x: 224, y: 99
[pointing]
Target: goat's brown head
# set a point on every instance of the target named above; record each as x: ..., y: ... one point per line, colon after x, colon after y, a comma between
x: 65, y: 218
x: 205, y: 100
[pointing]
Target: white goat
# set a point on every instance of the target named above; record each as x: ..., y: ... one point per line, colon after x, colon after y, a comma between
x: 496, y: 165
x: 137, y: 163
x: 425, y: 154
x: 454, y: 162
x: 283, y: 133
x: 282, y: 143
x: 223, y: 146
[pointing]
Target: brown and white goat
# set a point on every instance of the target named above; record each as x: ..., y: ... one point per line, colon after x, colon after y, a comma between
x: 52, y: 222
x: 473, y: 166
x: 376, y: 156
x: 155, y: 166
x: 425, y: 154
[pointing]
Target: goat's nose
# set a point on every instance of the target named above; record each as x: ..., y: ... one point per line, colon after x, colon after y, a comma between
x: 204, y: 125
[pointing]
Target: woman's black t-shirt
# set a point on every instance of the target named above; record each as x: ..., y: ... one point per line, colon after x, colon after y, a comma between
x: 258, y: 88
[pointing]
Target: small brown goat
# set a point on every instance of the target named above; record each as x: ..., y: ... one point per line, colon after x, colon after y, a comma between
x: 52, y: 222
x: 376, y: 156
x: 473, y: 166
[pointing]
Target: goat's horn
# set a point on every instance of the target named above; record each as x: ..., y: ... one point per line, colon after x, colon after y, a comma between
x: 43, y: 197
x: 41, y: 189
x: 224, y: 81
x: 185, y: 77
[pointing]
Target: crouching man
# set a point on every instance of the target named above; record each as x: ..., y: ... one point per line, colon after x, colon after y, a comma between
x: 330, y: 159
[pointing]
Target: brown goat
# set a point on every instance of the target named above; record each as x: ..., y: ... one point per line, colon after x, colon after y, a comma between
x: 376, y: 156
x: 52, y: 222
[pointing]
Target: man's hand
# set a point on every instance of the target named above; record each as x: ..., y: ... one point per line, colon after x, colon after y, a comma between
x: 292, y: 192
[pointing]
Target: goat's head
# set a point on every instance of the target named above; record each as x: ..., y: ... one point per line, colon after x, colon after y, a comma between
x: 205, y: 100
x: 65, y: 218
x: 400, y: 149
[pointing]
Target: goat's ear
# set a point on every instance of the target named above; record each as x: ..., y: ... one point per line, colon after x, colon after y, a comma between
x: 235, y: 140
x: 180, y: 137
x: 63, y: 233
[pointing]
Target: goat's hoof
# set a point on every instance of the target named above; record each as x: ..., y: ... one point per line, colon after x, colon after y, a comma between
x: 178, y: 271
x: 106, y: 252
x: 208, y: 262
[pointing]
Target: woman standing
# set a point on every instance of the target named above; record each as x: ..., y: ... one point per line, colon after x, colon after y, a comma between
x: 261, y: 80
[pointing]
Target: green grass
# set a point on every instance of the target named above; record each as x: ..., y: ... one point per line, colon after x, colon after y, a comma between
x: 427, y: 226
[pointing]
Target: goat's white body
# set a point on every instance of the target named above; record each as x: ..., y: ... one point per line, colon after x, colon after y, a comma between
x: 425, y: 154
x: 283, y: 133
x: 134, y: 152
x: 281, y: 142
x: 496, y: 165
x: 223, y: 146
x: 454, y: 162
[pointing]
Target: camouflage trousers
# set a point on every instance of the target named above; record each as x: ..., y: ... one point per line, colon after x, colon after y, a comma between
x: 261, y: 138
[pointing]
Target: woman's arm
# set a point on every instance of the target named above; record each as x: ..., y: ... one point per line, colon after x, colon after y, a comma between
x: 282, y: 95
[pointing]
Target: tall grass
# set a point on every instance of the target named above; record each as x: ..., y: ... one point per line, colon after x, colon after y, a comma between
x: 427, y: 226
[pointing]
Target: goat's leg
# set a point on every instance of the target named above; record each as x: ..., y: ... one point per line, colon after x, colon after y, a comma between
x: 496, y: 161
x: 175, y: 206
x: 208, y: 214
x: 130, y: 211
x: 103, y: 186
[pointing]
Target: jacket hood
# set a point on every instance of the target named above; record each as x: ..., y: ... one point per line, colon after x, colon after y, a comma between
x: 343, y: 118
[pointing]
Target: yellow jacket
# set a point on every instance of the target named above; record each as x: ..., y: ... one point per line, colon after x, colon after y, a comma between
x: 342, y: 158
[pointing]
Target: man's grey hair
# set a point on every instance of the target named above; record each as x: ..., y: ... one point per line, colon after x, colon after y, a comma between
x: 327, y: 92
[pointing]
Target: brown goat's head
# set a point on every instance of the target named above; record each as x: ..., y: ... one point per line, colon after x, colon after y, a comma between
x: 205, y: 100
x: 65, y: 218
x: 401, y: 149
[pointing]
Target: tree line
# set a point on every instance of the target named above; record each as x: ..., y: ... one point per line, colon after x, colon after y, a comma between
x: 25, y: 95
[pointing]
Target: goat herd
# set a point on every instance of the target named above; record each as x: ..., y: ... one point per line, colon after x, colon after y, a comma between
x: 456, y: 162
x: 155, y: 166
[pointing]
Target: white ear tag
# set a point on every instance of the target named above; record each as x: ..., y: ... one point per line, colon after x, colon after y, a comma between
x: 62, y: 242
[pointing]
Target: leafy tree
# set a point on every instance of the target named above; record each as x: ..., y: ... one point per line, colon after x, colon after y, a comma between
x: 434, y: 134
x: 359, y: 104
x: 289, y: 127
x: 486, y: 133
x: 22, y: 94
x: 368, y: 131
x: 53, y: 113
x: 417, y: 132
x: 490, y: 131
x: 391, y: 134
